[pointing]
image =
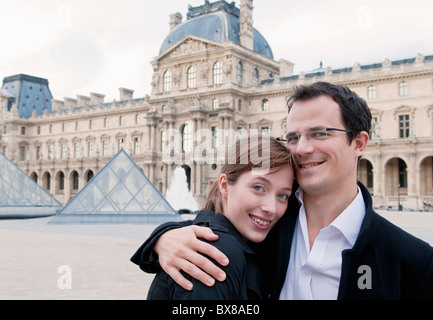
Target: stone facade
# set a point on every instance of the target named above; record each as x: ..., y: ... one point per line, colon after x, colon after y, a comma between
x: 219, y: 86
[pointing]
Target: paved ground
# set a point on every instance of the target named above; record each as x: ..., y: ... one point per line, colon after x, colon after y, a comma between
x: 40, y: 261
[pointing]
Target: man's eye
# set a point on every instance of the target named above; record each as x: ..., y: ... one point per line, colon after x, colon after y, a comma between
x: 318, y: 134
x: 258, y: 188
x: 292, y: 138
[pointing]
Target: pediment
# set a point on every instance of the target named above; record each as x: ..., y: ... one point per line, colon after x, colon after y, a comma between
x: 189, y: 45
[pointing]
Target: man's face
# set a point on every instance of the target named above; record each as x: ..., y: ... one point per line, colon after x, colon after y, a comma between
x: 323, y: 165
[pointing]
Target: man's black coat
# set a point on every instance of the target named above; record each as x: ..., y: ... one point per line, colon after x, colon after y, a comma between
x: 385, y: 262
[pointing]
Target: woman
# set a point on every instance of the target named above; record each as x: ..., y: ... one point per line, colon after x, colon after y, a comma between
x: 242, y: 206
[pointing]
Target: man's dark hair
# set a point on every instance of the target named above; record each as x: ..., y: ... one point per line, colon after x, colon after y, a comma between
x: 354, y: 110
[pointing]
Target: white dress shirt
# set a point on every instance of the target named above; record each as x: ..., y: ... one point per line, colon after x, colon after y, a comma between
x: 315, y: 273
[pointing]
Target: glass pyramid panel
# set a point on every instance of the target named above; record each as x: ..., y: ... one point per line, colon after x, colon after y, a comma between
x: 119, y: 190
x: 17, y: 189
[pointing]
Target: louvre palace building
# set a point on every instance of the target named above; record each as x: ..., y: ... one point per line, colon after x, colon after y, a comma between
x: 216, y: 73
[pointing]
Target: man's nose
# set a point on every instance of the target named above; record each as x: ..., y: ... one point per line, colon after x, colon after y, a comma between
x: 304, y: 146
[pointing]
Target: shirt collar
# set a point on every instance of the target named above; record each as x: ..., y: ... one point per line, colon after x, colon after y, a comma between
x: 349, y: 221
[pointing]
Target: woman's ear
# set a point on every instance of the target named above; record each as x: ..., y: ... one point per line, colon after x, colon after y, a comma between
x: 223, y: 185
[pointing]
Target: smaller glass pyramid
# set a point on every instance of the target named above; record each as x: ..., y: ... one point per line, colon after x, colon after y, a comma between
x: 119, y: 193
x: 21, y: 196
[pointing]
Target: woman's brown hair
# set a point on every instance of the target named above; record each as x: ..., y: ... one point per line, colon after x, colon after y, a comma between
x: 243, y: 156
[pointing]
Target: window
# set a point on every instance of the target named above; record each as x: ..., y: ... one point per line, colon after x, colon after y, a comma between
x: 265, y: 130
x: 186, y: 133
x: 120, y: 143
x: 63, y: 127
x: 75, y: 180
x: 239, y: 105
x: 120, y: 121
x: 51, y: 128
x: 255, y: 75
x: 214, y: 104
x: 164, y: 139
x: 38, y: 130
x: 51, y: 154
x: 76, y: 150
x: 137, y: 118
x: 105, y: 122
x: 191, y: 77
x: 23, y: 131
x: 217, y: 73
x: 38, y: 153
x: 136, y: 145
x: 77, y: 126
x: 105, y: 148
x: 403, y: 88
x: 404, y: 125
x: 166, y: 81
x: 61, y: 181
x: 265, y: 105
x: 63, y: 151
x: 90, y: 124
x: 374, y: 127
x: 90, y: 147
x: 240, y: 73
x: 371, y: 92
x: 22, y: 155
x: 214, y: 131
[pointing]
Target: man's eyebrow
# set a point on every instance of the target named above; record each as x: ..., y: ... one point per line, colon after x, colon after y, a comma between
x: 309, y: 129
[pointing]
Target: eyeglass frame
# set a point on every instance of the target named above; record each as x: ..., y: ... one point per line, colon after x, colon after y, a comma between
x: 319, y: 129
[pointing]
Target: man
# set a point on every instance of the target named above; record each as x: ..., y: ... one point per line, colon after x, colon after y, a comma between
x: 330, y: 244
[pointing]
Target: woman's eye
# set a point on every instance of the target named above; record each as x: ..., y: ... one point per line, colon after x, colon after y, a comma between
x: 283, y: 196
x: 258, y: 188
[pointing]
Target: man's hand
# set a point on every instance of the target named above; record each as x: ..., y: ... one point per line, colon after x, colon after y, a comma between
x: 179, y: 249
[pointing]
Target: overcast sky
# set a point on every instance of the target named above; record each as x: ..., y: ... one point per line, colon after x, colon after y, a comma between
x: 85, y: 46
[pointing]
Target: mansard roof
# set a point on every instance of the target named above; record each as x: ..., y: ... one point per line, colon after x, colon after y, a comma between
x: 29, y: 94
x: 218, y: 22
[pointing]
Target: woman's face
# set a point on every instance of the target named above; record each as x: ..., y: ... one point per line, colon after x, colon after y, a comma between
x: 257, y: 201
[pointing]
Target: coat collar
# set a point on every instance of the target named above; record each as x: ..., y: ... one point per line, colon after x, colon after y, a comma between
x: 219, y: 222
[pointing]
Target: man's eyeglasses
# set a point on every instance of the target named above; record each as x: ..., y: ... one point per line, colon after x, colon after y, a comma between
x: 315, y: 134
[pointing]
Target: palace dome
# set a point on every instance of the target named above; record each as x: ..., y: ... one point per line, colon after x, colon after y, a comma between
x: 219, y: 22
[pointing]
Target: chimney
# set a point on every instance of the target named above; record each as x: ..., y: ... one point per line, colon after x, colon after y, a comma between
x: 286, y: 68
x: 175, y: 20
x: 96, y: 98
x: 126, y: 94
x: 83, y: 101
x: 70, y: 103
x: 246, y: 24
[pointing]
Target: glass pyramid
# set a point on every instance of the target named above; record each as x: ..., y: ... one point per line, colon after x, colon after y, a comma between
x: 21, y: 196
x: 119, y: 193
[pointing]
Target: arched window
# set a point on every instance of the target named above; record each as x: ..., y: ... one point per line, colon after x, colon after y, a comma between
x: 186, y: 133
x: 240, y: 73
x: 75, y: 180
x: 166, y: 81
x: 255, y: 75
x: 217, y: 73
x: 61, y: 181
x: 191, y: 77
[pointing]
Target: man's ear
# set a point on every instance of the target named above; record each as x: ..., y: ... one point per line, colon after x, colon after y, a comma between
x: 361, y: 141
x: 223, y: 185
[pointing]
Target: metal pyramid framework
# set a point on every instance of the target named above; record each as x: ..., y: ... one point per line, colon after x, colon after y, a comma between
x: 119, y: 193
x: 21, y: 196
